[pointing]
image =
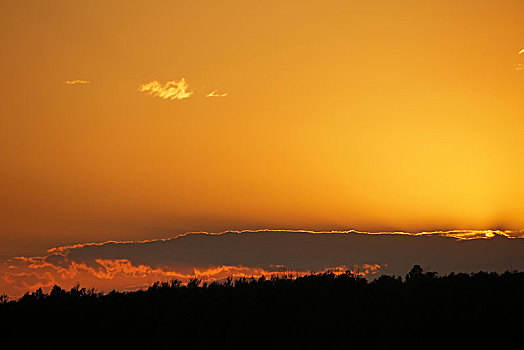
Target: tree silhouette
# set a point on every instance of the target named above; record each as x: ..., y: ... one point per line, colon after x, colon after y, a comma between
x: 417, y: 272
x: 323, y: 310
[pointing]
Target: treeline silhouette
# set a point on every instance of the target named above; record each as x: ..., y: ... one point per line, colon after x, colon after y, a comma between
x: 323, y: 310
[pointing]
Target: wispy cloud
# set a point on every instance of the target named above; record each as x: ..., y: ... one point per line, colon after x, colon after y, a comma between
x: 172, y: 90
x: 75, y: 82
x: 519, y: 67
x: 215, y: 94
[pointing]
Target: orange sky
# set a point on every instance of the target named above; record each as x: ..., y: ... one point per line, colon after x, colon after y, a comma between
x: 372, y: 115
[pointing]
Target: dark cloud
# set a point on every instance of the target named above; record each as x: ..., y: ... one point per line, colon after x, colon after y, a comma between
x: 215, y: 256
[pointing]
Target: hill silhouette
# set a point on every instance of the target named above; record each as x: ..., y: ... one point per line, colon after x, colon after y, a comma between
x: 324, y: 310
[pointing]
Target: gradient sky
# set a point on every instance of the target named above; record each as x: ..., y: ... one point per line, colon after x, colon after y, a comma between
x: 371, y: 115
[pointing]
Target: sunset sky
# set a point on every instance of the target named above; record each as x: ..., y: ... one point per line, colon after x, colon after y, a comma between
x: 138, y: 120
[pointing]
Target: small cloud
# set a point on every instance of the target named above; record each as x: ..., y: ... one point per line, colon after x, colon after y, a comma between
x: 215, y: 94
x: 75, y: 82
x: 519, y: 67
x: 521, y: 51
x: 172, y: 90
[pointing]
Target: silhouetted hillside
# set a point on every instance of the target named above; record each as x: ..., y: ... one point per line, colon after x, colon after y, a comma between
x: 318, y: 310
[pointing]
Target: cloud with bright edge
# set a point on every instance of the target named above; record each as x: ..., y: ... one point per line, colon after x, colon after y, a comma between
x: 521, y: 51
x: 76, y: 82
x: 172, y: 90
x: 127, y: 265
x: 215, y: 94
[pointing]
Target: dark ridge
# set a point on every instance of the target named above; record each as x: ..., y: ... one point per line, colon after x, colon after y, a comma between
x: 321, y: 311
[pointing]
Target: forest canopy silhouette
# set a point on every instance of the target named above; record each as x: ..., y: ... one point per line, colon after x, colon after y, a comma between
x: 324, y: 310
